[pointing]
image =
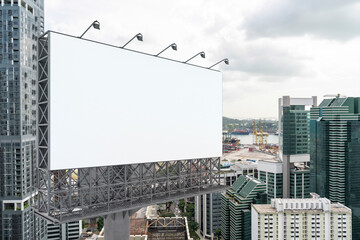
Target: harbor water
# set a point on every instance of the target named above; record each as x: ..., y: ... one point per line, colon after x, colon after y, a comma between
x: 248, y: 139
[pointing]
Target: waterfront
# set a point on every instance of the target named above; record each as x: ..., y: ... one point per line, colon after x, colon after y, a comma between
x: 248, y: 139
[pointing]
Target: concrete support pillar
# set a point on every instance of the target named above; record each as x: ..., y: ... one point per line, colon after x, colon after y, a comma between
x: 117, y: 225
x: 286, y: 176
x: 204, y: 230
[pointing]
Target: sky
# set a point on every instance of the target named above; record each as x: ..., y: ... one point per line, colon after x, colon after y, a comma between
x: 275, y: 47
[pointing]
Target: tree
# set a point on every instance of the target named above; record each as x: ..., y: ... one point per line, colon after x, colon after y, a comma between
x: 181, y: 205
x: 100, y: 224
x: 167, y: 214
x: 218, y: 232
x: 193, y: 226
x: 190, y: 208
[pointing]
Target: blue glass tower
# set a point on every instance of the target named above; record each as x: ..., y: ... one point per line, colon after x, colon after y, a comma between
x: 335, y: 153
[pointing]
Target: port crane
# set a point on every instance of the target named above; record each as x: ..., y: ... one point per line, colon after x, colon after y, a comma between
x: 255, y: 134
x: 259, y: 137
x: 263, y: 136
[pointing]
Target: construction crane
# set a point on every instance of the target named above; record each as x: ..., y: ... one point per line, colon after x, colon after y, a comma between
x: 259, y: 137
x: 255, y: 134
x: 263, y: 136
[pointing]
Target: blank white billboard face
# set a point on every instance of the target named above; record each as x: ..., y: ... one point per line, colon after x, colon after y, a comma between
x: 110, y: 106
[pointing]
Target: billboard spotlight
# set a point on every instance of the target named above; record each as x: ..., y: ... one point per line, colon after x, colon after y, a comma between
x: 202, y: 54
x: 226, y: 61
x: 138, y: 36
x: 173, y: 46
x: 95, y: 25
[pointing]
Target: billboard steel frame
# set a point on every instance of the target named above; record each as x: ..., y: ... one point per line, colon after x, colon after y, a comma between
x: 75, y: 194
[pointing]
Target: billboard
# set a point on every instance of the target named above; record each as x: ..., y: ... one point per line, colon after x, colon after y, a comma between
x: 112, y: 106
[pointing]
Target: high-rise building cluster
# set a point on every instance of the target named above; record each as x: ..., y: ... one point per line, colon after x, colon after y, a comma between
x: 335, y: 153
x: 319, y: 150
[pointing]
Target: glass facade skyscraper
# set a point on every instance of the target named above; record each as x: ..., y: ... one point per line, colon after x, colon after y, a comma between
x: 21, y: 22
x: 294, y: 145
x: 335, y: 153
x: 295, y: 132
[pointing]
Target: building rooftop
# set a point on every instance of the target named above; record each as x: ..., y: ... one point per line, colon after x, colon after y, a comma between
x: 300, y: 167
x: 283, y: 204
x: 339, y: 208
x: 344, y: 108
x: 300, y: 205
x: 243, y: 188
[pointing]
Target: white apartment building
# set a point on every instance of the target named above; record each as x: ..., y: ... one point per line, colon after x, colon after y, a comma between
x: 299, y: 219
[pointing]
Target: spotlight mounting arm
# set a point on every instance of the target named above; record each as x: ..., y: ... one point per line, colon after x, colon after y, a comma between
x: 95, y: 25
x: 202, y: 54
x: 139, y: 37
x: 173, y: 46
x: 225, y: 60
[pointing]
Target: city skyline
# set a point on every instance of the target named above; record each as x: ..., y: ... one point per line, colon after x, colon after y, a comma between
x: 275, y: 48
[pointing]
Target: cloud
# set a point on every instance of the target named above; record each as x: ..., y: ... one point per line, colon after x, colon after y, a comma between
x: 275, y: 47
x: 265, y: 58
x: 334, y: 19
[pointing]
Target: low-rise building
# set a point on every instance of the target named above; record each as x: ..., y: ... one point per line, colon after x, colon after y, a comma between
x: 270, y: 172
x: 311, y: 218
x: 300, y: 180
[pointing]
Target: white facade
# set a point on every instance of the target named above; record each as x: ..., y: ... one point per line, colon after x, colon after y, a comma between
x: 314, y: 218
x: 273, y: 166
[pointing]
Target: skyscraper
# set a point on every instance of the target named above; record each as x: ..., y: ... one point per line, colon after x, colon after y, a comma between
x: 294, y: 147
x: 21, y: 22
x: 335, y: 153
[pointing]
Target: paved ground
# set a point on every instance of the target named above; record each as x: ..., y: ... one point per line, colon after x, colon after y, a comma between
x: 244, y: 154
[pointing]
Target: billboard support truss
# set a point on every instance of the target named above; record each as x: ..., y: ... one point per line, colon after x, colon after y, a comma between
x: 75, y: 194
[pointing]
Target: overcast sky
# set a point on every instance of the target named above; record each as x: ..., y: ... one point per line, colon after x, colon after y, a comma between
x: 275, y: 47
